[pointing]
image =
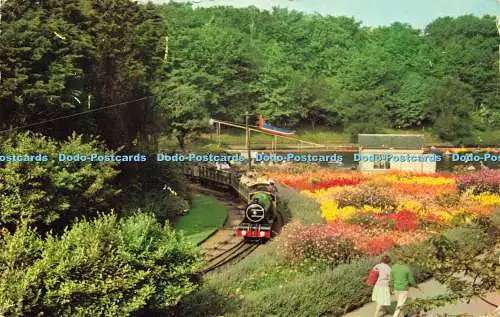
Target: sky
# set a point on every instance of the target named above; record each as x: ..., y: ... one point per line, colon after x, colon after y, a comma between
x: 418, y: 13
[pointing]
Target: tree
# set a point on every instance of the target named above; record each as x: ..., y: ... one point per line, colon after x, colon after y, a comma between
x: 467, y: 50
x: 43, y: 50
x: 410, y: 105
x: 128, y: 41
x: 51, y: 194
x: 451, y: 105
x: 183, y: 111
x: 63, y: 57
x: 468, y: 268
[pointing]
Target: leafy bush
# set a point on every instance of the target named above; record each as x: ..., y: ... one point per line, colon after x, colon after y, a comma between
x: 480, y: 182
x: 52, y: 192
x: 333, y: 291
x: 103, y: 267
x: 316, y: 242
x: 470, y: 240
x: 164, y: 205
x: 453, y: 262
x: 364, y: 195
x: 299, y: 206
x: 156, y: 187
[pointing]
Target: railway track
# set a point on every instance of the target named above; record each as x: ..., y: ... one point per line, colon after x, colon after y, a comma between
x: 235, y: 253
x: 224, y: 247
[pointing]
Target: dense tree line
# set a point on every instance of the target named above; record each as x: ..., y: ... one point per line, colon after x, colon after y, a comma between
x: 66, y: 56
x: 322, y: 70
x: 63, y: 57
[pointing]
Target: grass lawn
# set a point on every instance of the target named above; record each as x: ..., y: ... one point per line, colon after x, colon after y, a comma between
x: 206, y: 215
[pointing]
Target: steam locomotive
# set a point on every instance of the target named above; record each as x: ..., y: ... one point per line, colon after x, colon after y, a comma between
x: 260, y: 210
x: 260, y: 214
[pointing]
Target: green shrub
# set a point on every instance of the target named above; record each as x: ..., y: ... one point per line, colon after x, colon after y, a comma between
x: 164, y: 205
x: 20, y: 283
x: 470, y: 240
x: 103, y: 267
x: 53, y: 193
x: 206, y: 302
x: 156, y: 187
x: 364, y: 195
x: 331, y: 291
x: 299, y: 206
x: 412, y: 255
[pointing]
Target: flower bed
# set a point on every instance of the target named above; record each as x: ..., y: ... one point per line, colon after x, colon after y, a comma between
x: 380, y: 211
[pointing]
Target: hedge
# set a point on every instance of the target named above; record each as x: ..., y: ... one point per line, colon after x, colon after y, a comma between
x: 105, y: 267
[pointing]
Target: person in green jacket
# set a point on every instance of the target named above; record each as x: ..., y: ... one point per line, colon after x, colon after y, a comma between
x: 402, y: 279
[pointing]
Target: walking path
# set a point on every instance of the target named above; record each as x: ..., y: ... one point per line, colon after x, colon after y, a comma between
x: 430, y: 288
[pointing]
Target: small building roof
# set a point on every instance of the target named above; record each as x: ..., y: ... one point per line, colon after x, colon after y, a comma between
x: 394, y: 141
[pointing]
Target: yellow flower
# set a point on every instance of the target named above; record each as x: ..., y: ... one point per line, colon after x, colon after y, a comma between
x: 331, y: 211
x: 412, y: 205
x: 487, y: 199
x: 444, y: 216
x: 371, y: 209
x: 419, y: 180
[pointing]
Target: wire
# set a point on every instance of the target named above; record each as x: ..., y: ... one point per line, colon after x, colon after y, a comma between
x: 72, y: 115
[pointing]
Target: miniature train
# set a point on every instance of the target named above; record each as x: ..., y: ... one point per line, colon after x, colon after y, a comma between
x: 260, y: 210
x: 260, y: 214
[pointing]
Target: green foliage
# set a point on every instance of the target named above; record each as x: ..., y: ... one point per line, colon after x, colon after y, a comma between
x: 341, y: 289
x: 299, y: 69
x: 20, y: 284
x: 104, y: 267
x: 63, y: 57
x: 165, y: 206
x: 147, y: 186
x: 52, y: 192
x: 470, y: 240
x: 463, y: 259
x: 451, y: 106
x: 183, y: 110
x: 294, y: 68
x: 299, y: 206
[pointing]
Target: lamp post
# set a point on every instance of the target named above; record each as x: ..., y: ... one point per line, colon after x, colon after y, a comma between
x: 247, y: 141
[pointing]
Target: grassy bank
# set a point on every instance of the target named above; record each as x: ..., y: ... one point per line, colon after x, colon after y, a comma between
x: 206, y: 215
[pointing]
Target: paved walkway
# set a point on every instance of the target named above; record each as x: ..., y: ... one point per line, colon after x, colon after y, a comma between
x: 476, y: 307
